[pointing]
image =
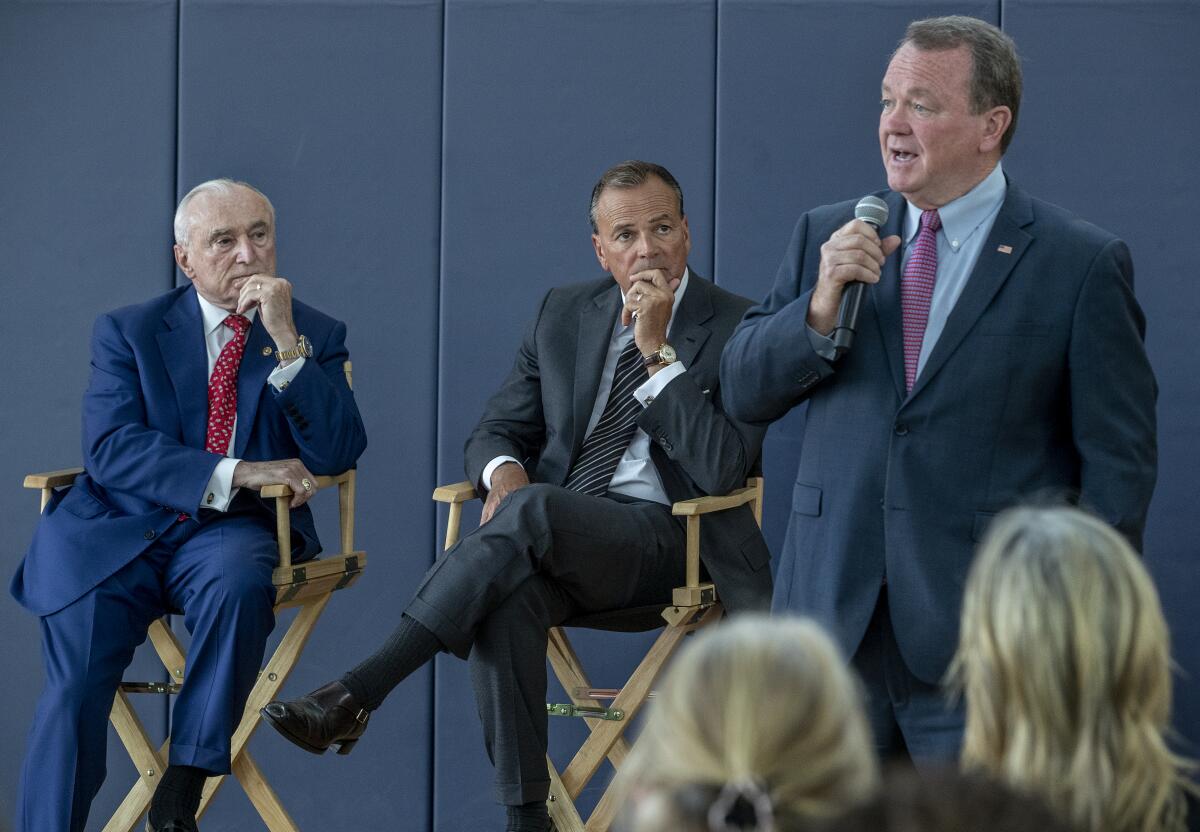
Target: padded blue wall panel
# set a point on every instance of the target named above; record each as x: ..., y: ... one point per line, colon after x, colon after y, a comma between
x: 1104, y: 132
x: 797, y: 119
x: 539, y: 99
x: 333, y: 109
x: 87, y: 154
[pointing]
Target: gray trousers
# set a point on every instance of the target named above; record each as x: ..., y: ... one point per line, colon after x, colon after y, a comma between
x: 547, y: 555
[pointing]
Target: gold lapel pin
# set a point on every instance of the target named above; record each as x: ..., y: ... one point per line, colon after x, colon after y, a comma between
x: 1004, y: 249
x: 268, y: 350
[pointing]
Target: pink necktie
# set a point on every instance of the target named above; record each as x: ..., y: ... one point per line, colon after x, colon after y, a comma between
x: 222, y: 388
x: 916, y: 291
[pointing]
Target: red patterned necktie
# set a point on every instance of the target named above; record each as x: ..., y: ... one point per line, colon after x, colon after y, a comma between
x: 916, y: 291
x: 222, y: 388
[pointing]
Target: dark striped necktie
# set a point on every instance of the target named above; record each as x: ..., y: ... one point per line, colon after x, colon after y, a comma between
x: 606, y: 444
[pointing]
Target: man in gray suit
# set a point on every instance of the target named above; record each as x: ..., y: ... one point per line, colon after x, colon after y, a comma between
x: 611, y: 413
x: 998, y: 358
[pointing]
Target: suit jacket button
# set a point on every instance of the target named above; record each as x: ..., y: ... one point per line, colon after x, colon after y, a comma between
x: 149, y: 535
x: 901, y: 429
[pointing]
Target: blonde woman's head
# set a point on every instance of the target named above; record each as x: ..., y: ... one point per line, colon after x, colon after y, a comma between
x: 1064, y: 660
x: 759, y: 717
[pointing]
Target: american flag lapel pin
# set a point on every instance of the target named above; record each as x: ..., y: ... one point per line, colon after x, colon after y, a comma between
x: 1004, y: 249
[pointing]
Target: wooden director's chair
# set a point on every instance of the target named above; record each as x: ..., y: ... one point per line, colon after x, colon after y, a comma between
x: 308, y: 586
x: 691, y: 607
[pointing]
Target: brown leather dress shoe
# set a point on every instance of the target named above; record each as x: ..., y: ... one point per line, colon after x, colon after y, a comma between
x: 327, y: 716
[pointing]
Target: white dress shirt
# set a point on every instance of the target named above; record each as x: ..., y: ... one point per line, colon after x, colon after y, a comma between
x: 220, y: 491
x: 636, y: 475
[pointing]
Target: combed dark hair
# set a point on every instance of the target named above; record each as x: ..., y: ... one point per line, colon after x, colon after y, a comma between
x: 630, y: 174
x: 996, y: 69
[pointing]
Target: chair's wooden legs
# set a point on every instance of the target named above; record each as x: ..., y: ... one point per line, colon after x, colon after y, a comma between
x: 148, y: 761
x: 607, y: 736
x: 569, y: 670
x: 270, y: 680
x: 560, y: 804
x: 262, y: 795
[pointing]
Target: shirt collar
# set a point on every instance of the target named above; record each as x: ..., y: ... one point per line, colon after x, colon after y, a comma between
x: 960, y: 217
x: 683, y: 283
x: 214, y: 315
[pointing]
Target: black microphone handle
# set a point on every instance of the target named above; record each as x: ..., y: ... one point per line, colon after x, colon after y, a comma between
x: 847, y: 319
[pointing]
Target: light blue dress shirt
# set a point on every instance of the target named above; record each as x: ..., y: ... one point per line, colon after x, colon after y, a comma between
x: 966, y: 223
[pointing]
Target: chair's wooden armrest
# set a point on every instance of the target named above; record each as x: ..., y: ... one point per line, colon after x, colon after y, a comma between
x: 707, y: 505
x: 281, y: 490
x: 52, y: 479
x: 459, y: 492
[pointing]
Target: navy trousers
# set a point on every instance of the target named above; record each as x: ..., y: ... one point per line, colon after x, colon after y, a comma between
x: 910, y: 719
x: 218, y: 573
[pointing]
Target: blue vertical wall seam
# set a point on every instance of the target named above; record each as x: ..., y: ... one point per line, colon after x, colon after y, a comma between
x: 431, y: 688
x: 716, y: 145
x: 165, y: 675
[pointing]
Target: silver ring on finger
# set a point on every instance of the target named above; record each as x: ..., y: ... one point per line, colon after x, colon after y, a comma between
x: 306, y: 484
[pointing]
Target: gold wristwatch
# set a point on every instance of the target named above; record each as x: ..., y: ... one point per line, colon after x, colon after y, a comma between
x: 664, y: 355
x: 303, y: 349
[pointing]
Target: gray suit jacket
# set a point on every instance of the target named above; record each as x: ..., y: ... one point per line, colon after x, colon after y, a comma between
x: 1038, y: 384
x: 541, y: 412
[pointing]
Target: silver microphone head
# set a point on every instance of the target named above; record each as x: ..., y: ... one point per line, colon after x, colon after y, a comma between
x: 872, y: 210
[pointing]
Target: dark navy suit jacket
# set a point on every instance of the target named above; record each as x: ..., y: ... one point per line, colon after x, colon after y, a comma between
x: 1039, y: 383
x: 144, y: 423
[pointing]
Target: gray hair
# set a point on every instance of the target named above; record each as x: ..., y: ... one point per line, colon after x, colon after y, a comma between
x: 996, y: 69
x: 183, y: 224
x: 630, y: 174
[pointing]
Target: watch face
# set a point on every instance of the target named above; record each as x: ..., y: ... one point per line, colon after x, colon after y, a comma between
x: 667, y: 352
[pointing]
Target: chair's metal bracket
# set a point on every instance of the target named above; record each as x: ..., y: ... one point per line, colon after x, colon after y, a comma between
x: 586, y: 711
x: 150, y: 687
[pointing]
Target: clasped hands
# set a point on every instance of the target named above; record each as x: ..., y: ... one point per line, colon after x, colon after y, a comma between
x: 273, y: 297
x: 648, y: 306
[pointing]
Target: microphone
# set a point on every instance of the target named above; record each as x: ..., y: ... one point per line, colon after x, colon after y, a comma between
x: 874, y: 212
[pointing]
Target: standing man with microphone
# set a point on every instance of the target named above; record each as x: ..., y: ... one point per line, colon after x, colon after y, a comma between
x: 997, y: 356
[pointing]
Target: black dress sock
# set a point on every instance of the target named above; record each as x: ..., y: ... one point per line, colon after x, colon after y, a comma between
x: 408, y: 647
x: 529, y: 817
x: 177, y: 795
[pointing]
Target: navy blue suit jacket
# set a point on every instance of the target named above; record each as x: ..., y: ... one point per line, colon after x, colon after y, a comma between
x: 145, y: 416
x: 1039, y: 383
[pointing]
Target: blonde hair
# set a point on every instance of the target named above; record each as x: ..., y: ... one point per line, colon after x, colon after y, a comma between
x: 760, y: 704
x: 1064, y: 659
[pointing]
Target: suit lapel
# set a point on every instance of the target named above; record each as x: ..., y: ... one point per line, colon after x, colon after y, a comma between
x: 596, y: 319
x: 884, y: 296
x: 186, y: 359
x: 688, y: 333
x: 990, y: 272
x: 257, y: 363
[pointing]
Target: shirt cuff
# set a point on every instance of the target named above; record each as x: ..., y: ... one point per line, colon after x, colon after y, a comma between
x: 220, y: 491
x: 492, y: 466
x: 651, y: 388
x: 281, y: 377
x: 822, y: 344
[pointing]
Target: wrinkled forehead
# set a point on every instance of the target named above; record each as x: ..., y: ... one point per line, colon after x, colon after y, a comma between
x: 651, y: 200
x: 238, y: 209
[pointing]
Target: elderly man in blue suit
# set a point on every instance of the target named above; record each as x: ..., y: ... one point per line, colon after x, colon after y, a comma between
x: 999, y: 357
x: 196, y: 399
